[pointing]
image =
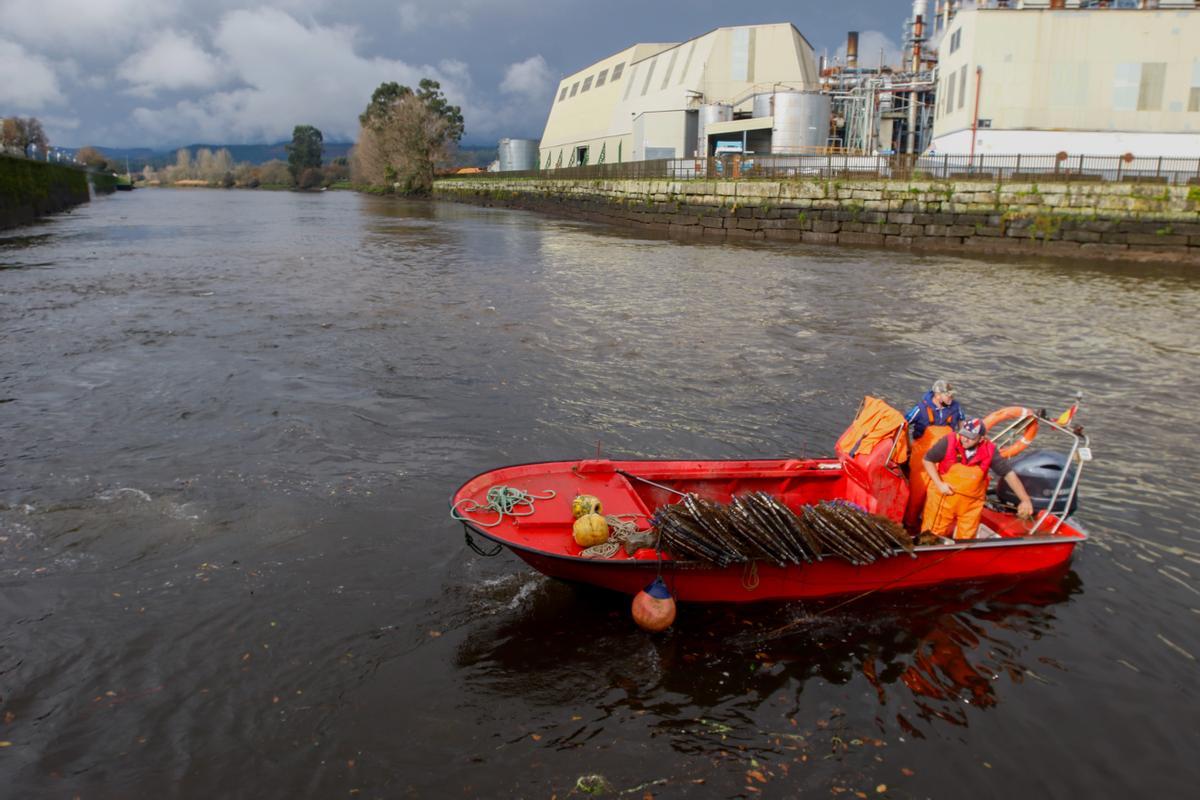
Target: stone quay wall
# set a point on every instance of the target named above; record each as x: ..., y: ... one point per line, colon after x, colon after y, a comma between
x: 30, y: 189
x: 1081, y: 219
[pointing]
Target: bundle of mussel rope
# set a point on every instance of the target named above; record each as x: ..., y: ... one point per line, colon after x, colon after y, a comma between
x: 757, y: 526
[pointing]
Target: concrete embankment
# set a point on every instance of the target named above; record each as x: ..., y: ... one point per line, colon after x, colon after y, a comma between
x: 30, y: 189
x: 1129, y: 221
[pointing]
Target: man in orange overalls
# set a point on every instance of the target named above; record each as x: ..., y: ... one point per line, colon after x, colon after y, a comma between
x: 936, y: 415
x: 958, y: 467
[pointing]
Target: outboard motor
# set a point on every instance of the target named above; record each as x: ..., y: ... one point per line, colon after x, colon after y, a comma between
x: 1040, y: 472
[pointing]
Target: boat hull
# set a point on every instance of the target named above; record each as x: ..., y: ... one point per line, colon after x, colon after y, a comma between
x: 542, y: 536
x: 831, y: 577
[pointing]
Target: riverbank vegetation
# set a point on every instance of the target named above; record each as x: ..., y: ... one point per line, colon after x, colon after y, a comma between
x: 404, y: 136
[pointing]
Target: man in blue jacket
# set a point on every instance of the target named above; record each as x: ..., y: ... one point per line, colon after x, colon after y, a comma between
x: 938, y: 408
x: 936, y: 415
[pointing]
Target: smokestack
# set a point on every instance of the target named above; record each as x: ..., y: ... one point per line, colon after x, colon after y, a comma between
x: 852, y: 49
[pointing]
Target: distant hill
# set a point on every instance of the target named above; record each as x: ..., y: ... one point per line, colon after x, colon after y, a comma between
x: 261, y: 153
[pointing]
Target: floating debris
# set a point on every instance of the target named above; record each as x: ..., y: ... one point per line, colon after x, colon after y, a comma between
x: 757, y: 526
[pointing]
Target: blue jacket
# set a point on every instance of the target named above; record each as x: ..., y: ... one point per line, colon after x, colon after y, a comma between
x: 918, y: 418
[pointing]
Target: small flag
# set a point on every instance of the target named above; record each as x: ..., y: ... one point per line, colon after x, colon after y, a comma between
x: 1067, y: 415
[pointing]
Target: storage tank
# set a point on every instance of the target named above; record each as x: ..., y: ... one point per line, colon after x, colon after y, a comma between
x: 711, y: 113
x: 801, y: 120
x: 518, y: 154
x: 762, y: 104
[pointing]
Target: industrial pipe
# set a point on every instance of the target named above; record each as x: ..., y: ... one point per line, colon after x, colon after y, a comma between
x: 852, y: 49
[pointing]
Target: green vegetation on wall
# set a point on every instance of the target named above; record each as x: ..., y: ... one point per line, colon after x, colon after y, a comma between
x: 29, y: 189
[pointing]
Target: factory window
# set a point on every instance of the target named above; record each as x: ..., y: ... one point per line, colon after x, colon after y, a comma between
x: 1126, y: 79
x: 649, y: 75
x: 1150, y: 87
x: 617, y: 70
x: 587, y: 83
x: 574, y: 88
x: 950, y: 94
x: 955, y: 40
x: 563, y: 94
x: 581, y: 156
x: 962, y: 86
x: 601, y: 78
x: 629, y: 85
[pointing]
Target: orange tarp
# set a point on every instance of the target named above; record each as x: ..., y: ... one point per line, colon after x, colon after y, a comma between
x: 875, y: 422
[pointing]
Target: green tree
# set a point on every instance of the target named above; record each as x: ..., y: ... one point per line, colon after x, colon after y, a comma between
x: 305, y: 151
x: 404, y: 135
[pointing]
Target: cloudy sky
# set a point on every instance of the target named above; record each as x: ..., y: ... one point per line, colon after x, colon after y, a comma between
x: 162, y: 73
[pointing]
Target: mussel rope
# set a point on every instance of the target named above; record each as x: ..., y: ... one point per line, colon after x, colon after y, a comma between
x: 501, y: 501
x: 619, y: 532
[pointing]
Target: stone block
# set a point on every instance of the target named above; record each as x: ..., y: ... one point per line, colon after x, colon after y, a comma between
x: 851, y: 237
x: 898, y: 241
x: 817, y: 237
x: 961, y: 230
x: 937, y: 230
x: 922, y: 218
x: 1157, y: 240
x: 889, y: 229
x: 744, y: 233
x: 853, y: 227
x: 1079, y: 235
x: 780, y: 234
x: 900, y: 218
x: 989, y: 231
x: 912, y: 230
x: 1114, y: 237
x: 823, y: 226
x: 712, y: 222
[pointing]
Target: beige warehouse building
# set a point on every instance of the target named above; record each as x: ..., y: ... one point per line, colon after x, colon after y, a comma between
x: 756, y: 85
x: 1028, y: 78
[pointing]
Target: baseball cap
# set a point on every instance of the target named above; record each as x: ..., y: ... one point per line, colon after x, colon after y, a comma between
x: 973, y: 428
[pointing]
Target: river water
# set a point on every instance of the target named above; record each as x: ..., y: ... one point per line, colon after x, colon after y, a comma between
x: 230, y: 423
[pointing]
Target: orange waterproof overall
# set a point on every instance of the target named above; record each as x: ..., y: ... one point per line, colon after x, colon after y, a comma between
x: 918, y: 481
x: 958, y: 512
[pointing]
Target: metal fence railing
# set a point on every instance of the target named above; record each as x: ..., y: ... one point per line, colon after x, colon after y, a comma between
x: 994, y: 168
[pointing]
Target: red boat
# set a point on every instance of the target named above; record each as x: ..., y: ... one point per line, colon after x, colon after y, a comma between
x: 539, y: 530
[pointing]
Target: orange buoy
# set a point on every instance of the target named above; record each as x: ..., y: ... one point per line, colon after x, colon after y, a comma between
x: 1017, y: 414
x: 653, y: 607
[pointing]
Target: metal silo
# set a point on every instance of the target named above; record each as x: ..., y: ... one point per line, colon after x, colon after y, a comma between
x: 518, y: 155
x: 762, y: 104
x: 801, y: 121
x: 711, y: 113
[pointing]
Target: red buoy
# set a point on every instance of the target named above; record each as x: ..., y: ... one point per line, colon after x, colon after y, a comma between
x: 653, y: 607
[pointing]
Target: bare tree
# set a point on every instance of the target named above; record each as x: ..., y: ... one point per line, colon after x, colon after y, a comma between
x: 23, y: 134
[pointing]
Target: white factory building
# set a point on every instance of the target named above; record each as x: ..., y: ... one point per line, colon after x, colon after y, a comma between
x: 1087, y: 78
x: 753, y: 88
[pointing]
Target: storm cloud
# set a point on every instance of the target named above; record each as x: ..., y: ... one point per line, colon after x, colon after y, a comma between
x: 168, y: 72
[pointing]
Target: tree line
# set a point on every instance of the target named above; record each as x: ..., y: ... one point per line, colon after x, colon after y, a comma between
x: 404, y: 137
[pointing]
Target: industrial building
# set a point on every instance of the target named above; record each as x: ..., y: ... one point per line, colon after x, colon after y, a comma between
x: 1088, y: 78
x: 753, y: 88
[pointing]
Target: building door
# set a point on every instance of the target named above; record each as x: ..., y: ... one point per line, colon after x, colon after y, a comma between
x: 581, y: 156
